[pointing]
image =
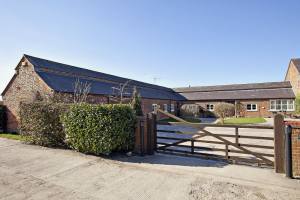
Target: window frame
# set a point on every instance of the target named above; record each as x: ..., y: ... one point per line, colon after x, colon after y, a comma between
x: 210, y: 107
x: 166, y: 107
x: 290, y: 105
x: 251, y: 107
x: 172, y: 107
x: 154, y: 107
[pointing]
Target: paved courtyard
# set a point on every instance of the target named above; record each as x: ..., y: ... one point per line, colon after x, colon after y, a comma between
x: 32, y: 172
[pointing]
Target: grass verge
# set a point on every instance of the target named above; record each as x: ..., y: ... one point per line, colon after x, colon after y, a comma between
x: 12, y: 136
x: 245, y: 120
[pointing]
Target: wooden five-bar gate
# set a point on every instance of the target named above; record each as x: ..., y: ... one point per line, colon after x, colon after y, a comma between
x: 261, y: 145
x: 247, y: 144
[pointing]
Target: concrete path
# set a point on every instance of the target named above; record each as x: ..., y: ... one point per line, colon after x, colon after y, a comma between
x: 32, y: 172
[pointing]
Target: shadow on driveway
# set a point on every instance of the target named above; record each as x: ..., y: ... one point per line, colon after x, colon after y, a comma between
x: 164, y: 159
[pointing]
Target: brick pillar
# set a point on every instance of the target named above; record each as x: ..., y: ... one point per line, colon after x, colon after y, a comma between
x: 296, y: 152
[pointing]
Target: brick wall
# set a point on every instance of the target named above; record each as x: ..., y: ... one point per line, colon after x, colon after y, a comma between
x: 296, y: 152
x: 293, y: 76
x: 263, y: 107
x: 24, y: 88
x: 91, y: 98
x: 147, y: 105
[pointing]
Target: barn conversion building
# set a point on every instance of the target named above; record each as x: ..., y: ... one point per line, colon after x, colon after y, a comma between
x: 257, y: 99
x: 40, y: 79
x: 293, y: 74
x: 37, y: 79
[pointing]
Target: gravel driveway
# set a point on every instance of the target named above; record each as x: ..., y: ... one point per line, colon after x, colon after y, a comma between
x: 32, y: 172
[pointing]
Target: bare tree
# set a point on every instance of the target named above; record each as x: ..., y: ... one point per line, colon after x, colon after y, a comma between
x: 121, y: 93
x: 81, y: 91
x: 224, y: 110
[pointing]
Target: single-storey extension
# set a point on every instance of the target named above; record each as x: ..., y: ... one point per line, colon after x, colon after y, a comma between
x: 257, y: 99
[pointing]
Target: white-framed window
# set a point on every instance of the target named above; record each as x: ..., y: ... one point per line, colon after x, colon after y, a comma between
x: 251, y: 107
x: 282, y: 105
x: 210, y: 107
x: 154, y: 107
x: 166, y: 107
x: 172, y: 107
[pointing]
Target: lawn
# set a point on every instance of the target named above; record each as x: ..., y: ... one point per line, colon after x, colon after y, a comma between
x: 245, y: 120
x: 192, y: 120
x: 12, y: 136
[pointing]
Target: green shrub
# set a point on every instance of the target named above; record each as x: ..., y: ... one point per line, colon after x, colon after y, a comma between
x: 40, y: 123
x: 136, y: 103
x: 190, y: 110
x: 3, y: 118
x: 100, y: 129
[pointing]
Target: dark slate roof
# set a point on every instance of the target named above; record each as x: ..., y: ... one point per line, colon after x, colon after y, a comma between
x: 271, y: 90
x: 249, y: 86
x: 61, y: 78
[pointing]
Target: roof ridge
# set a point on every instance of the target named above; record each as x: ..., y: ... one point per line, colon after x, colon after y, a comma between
x: 236, y: 84
x: 143, y: 84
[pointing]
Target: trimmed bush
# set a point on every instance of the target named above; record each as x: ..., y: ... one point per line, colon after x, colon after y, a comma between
x: 100, y: 129
x: 40, y: 122
x: 3, y: 119
x: 190, y: 110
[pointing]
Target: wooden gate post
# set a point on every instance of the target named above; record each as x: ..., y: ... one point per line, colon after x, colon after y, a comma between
x: 139, y: 144
x: 279, y: 139
x: 145, y: 135
x: 151, y: 133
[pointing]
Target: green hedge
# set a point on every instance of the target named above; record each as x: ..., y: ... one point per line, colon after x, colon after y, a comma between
x: 40, y: 122
x: 3, y: 118
x: 100, y: 129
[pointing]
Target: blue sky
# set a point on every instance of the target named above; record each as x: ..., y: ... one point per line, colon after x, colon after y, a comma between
x: 178, y: 42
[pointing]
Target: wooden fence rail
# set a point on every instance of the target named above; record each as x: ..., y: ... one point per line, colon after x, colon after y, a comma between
x: 205, y: 141
x: 172, y: 141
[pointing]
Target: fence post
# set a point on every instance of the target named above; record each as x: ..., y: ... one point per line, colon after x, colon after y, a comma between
x: 192, y: 146
x: 288, y: 152
x: 237, y: 135
x: 226, y: 151
x: 151, y: 133
x: 154, y: 116
x: 139, y: 136
x: 279, y: 150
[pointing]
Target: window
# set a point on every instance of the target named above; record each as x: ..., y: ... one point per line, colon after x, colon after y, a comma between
x: 210, y: 107
x: 282, y: 105
x: 172, y: 107
x: 166, y: 107
x: 154, y: 107
x: 251, y: 107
